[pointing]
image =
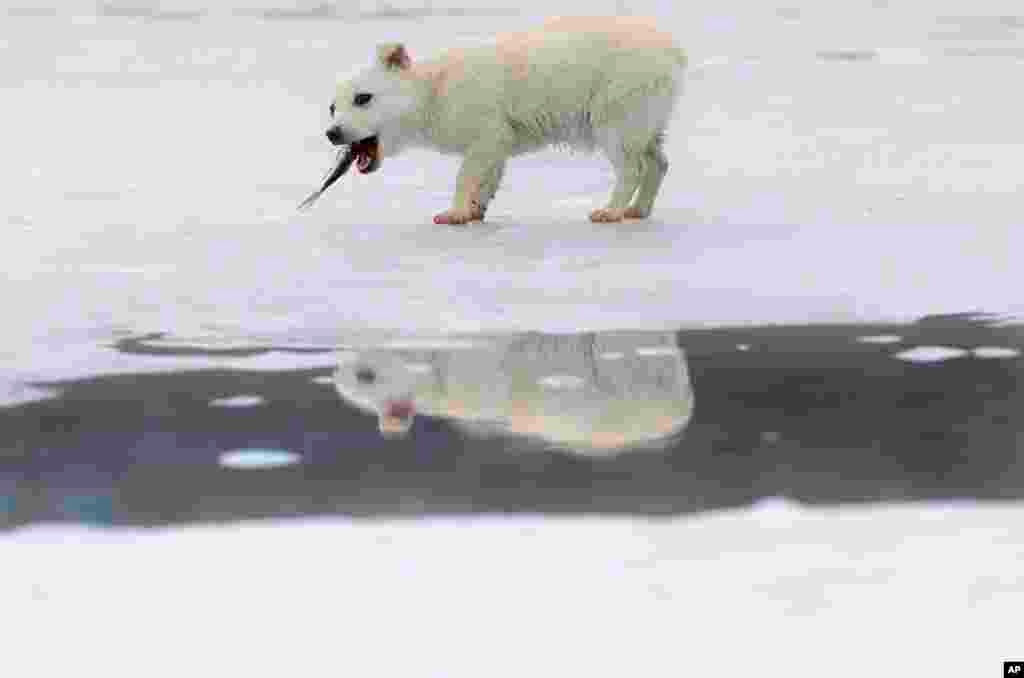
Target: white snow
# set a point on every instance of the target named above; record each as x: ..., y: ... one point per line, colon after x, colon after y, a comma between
x: 152, y: 167
x: 916, y: 590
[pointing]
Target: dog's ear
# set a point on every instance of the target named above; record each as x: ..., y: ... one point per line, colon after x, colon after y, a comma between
x: 393, y: 55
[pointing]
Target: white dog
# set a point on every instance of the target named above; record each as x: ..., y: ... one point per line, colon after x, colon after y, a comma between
x: 606, y: 83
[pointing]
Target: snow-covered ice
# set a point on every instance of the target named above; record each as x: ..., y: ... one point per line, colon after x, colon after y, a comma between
x: 152, y: 167
x: 779, y: 588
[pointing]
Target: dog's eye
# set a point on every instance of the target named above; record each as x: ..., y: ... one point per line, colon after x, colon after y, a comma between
x: 365, y: 375
x: 332, y: 110
x: 362, y: 99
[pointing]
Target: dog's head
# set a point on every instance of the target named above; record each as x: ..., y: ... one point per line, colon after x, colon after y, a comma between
x: 380, y: 382
x: 370, y: 111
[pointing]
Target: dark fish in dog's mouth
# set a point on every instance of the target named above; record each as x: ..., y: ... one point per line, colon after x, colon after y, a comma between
x: 365, y: 154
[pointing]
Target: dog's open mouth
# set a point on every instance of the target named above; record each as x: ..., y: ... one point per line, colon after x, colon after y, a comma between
x: 367, y: 154
x: 396, y: 417
x: 364, y: 153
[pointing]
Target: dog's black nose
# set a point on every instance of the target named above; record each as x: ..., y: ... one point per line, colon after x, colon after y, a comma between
x: 335, y: 136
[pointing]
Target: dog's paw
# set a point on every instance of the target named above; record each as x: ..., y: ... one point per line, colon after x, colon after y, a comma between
x: 607, y: 214
x: 458, y: 216
x: 635, y: 213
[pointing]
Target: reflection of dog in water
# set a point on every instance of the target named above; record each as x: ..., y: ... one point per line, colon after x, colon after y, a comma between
x: 589, y: 392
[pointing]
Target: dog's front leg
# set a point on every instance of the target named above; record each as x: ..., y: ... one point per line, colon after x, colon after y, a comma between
x: 476, y: 183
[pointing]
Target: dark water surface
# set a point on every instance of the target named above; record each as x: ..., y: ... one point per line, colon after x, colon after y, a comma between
x: 638, y: 423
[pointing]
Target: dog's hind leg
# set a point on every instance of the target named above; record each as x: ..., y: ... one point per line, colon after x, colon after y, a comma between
x: 489, y: 186
x: 627, y: 160
x: 655, y: 166
x: 634, y: 147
